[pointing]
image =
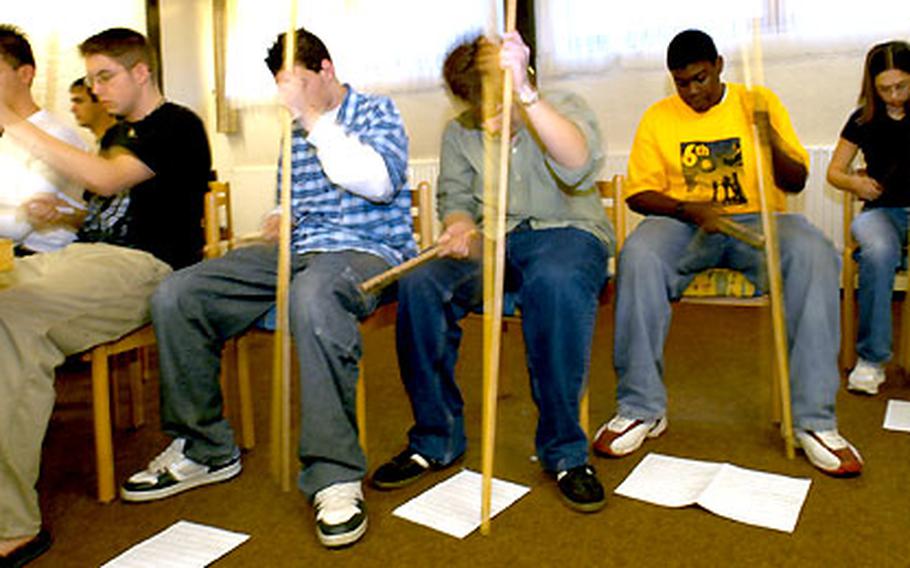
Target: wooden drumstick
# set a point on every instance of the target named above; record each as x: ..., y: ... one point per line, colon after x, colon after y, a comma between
x: 380, y: 281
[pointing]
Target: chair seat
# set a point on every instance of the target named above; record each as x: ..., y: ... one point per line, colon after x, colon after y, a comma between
x: 720, y: 282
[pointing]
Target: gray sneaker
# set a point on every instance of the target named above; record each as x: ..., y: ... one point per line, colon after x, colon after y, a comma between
x: 866, y: 377
x: 172, y: 472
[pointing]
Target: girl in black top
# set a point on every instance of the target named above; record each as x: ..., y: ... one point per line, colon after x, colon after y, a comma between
x: 880, y: 128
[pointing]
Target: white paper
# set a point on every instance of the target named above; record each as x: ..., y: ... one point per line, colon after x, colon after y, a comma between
x: 668, y: 481
x: 453, y: 506
x: 182, y: 545
x: 756, y: 498
x: 897, y: 417
x: 748, y: 496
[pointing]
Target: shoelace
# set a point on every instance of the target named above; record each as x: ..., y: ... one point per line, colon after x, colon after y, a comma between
x: 170, y: 455
x: 335, y: 497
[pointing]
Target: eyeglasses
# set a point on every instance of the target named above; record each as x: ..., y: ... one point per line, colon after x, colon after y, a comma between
x: 102, y: 77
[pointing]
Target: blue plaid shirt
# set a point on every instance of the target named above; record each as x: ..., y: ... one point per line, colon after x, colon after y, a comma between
x: 328, y: 218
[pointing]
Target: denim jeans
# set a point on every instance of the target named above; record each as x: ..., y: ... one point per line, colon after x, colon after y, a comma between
x: 661, y: 258
x: 881, y: 233
x: 557, y: 275
x: 196, y: 309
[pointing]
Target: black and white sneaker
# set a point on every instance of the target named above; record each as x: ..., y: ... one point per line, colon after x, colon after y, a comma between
x: 341, y: 516
x: 172, y: 472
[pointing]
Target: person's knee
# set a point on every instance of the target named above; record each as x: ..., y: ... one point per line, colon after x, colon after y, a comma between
x: 166, y: 297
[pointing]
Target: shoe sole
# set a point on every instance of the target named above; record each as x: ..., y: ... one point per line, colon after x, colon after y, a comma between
x: 860, y: 389
x: 839, y: 473
x: 218, y: 476
x: 583, y: 507
x: 345, y: 539
x: 392, y: 485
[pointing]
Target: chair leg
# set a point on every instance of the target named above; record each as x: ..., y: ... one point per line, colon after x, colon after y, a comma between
x: 104, y: 446
x: 362, y: 406
x: 848, y: 321
x: 584, y: 413
x: 904, y: 355
x: 244, y: 392
x: 113, y: 373
x: 137, y: 400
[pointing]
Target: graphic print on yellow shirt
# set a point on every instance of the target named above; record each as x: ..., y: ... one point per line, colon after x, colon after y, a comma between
x: 716, y: 166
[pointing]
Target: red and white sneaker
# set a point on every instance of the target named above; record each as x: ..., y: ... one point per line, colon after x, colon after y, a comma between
x: 830, y: 452
x: 621, y: 436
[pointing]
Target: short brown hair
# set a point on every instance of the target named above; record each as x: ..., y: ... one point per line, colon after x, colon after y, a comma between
x: 126, y: 46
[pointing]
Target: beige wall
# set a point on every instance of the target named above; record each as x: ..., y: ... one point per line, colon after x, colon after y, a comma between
x: 819, y: 88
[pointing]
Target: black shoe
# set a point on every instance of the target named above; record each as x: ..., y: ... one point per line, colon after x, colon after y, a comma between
x: 580, y: 489
x: 404, y: 469
x: 28, y: 551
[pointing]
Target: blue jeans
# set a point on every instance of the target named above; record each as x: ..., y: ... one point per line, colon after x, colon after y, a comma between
x: 881, y: 233
x: 661, y: 258
x: 196, y: 309
x: 557, y: 275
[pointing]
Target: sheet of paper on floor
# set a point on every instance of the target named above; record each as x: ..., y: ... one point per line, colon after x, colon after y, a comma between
x: 748, y: 496
x: 897, y: 417
x: 181, y: 545
x: 453, y: 506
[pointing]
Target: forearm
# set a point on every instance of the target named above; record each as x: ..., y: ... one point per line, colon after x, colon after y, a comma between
x: 349, y: 163
x: 789, y: 174
x: 657, y: 203
x: 562, y: 139
x: 90, y: 171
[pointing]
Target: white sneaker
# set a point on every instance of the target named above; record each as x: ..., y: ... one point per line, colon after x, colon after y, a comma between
x: 172, y: 472
x: 341, y: 517
x: 830, y: 452
x: 866, y: 377
x: 621, y: 436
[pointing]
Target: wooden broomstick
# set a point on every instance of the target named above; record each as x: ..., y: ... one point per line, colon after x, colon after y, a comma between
x: 762, y: 142
x: 495, y: 202
x: 281, y: 361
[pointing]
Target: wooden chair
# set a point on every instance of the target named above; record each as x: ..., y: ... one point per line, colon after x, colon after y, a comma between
x: 382, y: 318
x: 723, y: 287
x: 849, y: 311
x: 105, y: 399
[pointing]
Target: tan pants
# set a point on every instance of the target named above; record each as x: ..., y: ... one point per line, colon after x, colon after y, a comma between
x: 53, y: 305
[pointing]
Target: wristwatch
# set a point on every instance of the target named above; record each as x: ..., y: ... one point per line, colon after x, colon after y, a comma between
x: 528, y: 95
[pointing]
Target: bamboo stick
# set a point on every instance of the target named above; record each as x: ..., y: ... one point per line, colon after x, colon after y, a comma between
x: 494, y: 274
x: 281, y: 361
x: 772, y: 251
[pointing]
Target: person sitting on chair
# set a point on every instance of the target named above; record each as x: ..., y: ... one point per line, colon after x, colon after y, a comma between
x: 881, y: 129
x: 683, y: 145
x: 97, y: 289
x: 351, y: 220
x: 557, y: 245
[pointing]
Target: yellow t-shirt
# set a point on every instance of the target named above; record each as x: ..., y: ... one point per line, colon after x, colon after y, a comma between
x: 708, y: 156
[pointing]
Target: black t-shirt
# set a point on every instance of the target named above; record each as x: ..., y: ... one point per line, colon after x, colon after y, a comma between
x: 885, y: 143
x: 162, y: 215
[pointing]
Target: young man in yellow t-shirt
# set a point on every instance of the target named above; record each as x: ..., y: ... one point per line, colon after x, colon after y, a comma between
x: 693, y: 165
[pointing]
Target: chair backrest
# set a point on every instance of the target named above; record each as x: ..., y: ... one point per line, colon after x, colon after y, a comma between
x: 423, y: 214
x: 217, y: 220
x: 612, y: 198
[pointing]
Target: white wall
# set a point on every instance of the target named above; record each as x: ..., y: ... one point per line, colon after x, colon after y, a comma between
x: 819, y: 88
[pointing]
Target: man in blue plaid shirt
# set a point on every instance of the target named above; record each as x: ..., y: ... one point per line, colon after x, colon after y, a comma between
x: 351, y: 221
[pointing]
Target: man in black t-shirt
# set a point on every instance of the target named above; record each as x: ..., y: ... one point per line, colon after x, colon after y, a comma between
x: 59, y: 303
